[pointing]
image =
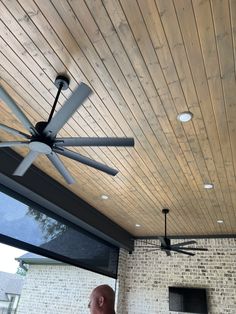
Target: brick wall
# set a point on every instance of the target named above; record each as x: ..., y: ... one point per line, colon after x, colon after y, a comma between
x: 147, y: 276
x: 122, y: 269
x: 58, y: 289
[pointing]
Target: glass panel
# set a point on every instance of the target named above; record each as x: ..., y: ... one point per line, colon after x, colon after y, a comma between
x: 22, y: 222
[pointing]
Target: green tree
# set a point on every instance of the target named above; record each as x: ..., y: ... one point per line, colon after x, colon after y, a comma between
x: 50, y: 227
x: 22, y: 271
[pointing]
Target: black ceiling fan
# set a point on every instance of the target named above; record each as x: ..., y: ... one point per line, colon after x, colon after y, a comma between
x: 168, y: 247
x: 43, y: 136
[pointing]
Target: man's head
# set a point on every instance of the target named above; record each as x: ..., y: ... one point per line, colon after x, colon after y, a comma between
x: 102, y: 300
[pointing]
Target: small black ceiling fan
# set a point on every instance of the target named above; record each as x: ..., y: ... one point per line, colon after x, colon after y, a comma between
x: 43, y: 136
x: 168, y: 247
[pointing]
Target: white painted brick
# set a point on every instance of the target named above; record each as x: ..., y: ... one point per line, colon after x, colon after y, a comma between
x: 58, y: 289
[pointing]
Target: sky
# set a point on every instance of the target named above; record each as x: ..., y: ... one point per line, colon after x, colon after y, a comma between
x: 7, y: 258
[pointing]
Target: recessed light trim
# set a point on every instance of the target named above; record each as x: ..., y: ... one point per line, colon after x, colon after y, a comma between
x: 220, y: 221
x: 208, y: 186
x: 104, y: 197
x: 185, y: 116
x: 137, y: 225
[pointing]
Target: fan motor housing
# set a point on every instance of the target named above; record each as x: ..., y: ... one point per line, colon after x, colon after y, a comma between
x: 46, y: 142
x: 40, y: 126
x: 40, y: 147
x: 167, y: 243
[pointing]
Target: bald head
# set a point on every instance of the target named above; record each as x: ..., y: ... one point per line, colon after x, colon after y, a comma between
x: 102, y: 300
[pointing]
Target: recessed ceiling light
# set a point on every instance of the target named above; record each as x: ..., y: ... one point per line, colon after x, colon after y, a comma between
x: 137, y: 225
x: 104, y: 197
x: 185, y: 116
x: 208, y: 186
x: 220, y: 221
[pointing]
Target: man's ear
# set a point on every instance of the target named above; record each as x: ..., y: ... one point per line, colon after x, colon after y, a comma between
x: 101, y: 301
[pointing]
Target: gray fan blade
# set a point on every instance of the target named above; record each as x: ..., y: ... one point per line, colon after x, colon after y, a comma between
x: 55, y: 160
x: 183, y: 252
x: 168, y: 253
x: 25, y: 164
x: 85, y: 160
x: 183, y: 243
x: 192, y: 248
x: 13, y: 131
x: 17, y: 111
x: 95, y: 141
x: 13, y: 143
x: 162, y: 240
x: 67, y: 110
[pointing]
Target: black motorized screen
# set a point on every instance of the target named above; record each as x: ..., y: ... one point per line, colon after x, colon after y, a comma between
x: 25, y: 227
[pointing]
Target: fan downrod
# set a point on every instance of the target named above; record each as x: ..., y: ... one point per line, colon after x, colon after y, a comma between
x: 165, y: 211
x: 62, y: 83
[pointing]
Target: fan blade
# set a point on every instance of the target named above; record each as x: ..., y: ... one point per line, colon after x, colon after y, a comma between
x: 26, y: 163
x: 13, y: 131
x: 95, y: 141
x: 167, y: 252
x: 85, y: 160
x: 183, y: 243
x: 67, y: 110
x: 183, y: 252
x: 55, y: 160
x: 192, y: 248
x: 17, y: 111
x: 13, y: 143
x: 163, y: 241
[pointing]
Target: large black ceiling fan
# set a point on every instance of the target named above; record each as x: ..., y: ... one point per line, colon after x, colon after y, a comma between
x: 43, y: 136
x: 168, y: 247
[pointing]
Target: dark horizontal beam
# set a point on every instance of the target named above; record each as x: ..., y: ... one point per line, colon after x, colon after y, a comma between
x: 43, y: 190
x: 202, y: 236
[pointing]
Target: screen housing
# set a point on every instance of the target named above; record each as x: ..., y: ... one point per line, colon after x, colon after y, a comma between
x: 188, y: 300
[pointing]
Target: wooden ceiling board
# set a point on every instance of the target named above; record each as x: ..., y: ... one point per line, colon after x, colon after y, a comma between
x: 146, y: 61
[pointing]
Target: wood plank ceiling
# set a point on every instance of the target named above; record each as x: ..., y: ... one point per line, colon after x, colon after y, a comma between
x: 146, y: 61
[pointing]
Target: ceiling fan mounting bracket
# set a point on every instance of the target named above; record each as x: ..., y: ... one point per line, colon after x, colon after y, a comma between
x: 165, y: 211
x: 62, y: 80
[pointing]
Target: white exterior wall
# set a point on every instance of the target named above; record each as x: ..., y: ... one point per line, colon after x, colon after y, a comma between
x: 58, y: 289
x: 144, y: 286
x: 3, y: 306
